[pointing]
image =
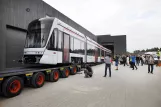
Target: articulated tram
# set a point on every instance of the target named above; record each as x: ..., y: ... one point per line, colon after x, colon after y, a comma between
x: 51, y: 41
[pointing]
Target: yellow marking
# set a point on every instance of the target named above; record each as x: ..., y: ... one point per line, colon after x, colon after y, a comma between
x: 1, y: 79
x: 29, y: 74
x: 79, y: 66
x: 48, y: 71
x: 61, y: 68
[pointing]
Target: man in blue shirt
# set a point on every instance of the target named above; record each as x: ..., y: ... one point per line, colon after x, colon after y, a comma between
x: 133, y: 58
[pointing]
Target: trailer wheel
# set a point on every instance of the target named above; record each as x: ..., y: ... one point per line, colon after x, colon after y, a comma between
x: 38, y: 80
x: 73, y: 70
x: 12, y: 86
x: 54, y: 75
x: 65, y: 73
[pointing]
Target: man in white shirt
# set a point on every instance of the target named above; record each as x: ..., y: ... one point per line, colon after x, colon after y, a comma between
x: 107, y: 61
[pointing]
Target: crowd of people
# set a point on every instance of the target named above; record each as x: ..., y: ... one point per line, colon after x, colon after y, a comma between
x: 131, y: 60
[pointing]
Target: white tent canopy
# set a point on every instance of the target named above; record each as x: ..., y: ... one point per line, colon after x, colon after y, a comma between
x: 150, y: 53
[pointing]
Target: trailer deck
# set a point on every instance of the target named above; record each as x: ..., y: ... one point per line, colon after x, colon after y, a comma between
x: 30, y: 69
x: 12, y: 80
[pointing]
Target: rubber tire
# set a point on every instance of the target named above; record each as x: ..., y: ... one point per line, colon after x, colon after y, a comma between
x: 63, y: 74
x: 51, y: 79
x: 6, y: 84
x: 34, y: 78
x: 72, y: 70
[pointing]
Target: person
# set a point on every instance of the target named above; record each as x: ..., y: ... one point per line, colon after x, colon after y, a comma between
x: 133, y: 60
x: 88, y: 71
x: 120, y: 59
x: 107, y: 61
x: 150, y: 64
x: 127, y: 60
x: 158, y: 56
x: 142, y: 60
x: 111, y: 61
x: 124, y: 60
x: 130, y: 61
x: 116, y: 62
x: 137, y: 60
x: 146, y: 59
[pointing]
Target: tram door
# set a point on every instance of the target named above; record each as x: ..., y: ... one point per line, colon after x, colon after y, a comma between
x: 66, y: 48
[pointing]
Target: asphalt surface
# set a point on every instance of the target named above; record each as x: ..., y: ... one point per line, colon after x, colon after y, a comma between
x: 126, y: 88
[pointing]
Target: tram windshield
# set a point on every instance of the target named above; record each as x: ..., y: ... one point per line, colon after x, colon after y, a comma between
x: 38, y: 32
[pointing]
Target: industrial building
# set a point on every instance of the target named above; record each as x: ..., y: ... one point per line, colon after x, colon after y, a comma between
x: 117, y: 43
x: 15, y: 17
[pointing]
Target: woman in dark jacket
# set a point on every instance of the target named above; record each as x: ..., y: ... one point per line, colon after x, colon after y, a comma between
x: 137, y: 60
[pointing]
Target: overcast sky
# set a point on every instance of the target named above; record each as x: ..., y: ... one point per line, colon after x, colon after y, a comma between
x: 140, y: 20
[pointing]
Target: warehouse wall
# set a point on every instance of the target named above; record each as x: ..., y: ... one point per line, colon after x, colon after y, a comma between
x: 18, y: 14
x: 119, y: 42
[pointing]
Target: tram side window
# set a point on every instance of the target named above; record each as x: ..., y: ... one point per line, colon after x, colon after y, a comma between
x: 52, y: 41
x: 98, y: 52
x: 60, y: 35
x: 82, y: 48
x: 93, y: 50
x: 102, y: 52
x: 105, y: 53
x: 71, y: 44
x: 77, y: 44
x: 88, y: 49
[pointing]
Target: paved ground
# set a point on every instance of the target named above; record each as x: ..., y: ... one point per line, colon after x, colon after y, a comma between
x: 126, y: 88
